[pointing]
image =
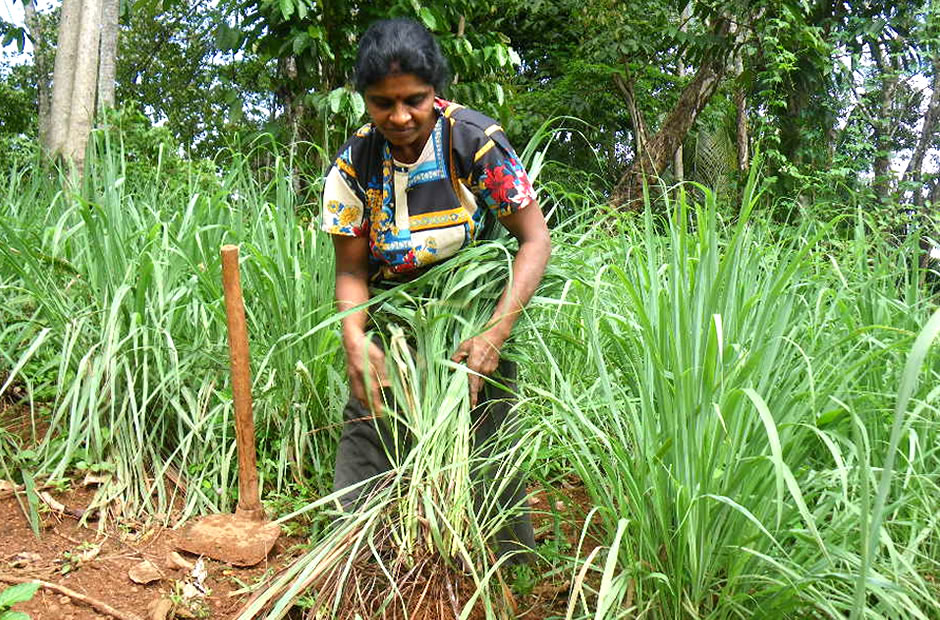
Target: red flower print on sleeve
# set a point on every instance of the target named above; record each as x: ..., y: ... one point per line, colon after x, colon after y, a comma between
x: 499, y: 184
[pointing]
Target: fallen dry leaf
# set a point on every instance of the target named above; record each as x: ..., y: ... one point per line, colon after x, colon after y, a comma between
x: 52, y: 502
x: 59, y: 507
x: 183, y: 612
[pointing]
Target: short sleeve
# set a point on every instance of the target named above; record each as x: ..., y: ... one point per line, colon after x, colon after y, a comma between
x: 498, y: 178
x: 343, y: 211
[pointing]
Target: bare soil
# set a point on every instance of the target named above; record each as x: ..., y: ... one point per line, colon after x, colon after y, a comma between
x: 97, y: 566
x: 93, y: 564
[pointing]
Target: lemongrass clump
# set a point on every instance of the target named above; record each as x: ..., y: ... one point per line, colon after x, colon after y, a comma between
x: 112, y: 322
x: 729, y: 419
x: 426, y: 521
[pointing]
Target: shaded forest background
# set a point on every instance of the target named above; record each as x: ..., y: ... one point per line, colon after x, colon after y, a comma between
x: 840, y: 98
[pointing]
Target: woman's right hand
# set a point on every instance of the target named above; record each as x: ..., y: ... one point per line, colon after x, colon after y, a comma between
x: 366, y: 360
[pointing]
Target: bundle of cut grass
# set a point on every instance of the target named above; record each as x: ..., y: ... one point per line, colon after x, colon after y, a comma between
x: 420, y: 543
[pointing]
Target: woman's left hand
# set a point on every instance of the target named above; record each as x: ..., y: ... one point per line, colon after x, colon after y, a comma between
x: 481, y: 354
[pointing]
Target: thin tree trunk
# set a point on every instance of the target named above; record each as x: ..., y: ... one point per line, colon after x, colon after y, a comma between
x: 41, y: 64
x: 107, y: 65
x: 933, y: 197
x: 63, y: 76
x: 293, y: 112
x: 740, y: 104
x: 461, y: 28
x: 914, y: 170
x: 84, y: 89
x: 662, y: 146
x: 883, y: 125
x: 678, y: 165
x: 636, y: 115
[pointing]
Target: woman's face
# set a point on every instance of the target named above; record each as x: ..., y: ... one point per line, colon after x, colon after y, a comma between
x: 402, y: 107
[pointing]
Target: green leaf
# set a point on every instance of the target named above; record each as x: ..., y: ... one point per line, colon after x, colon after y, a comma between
x: 428, y: 18
x: 327, y: 51
x: 227, y: 38
x: 14, y: 615
x: 32, y: 498
x: 302, y: 9
x: 336, y: 99
x: 236, y: 112
x: 287, y: 8
x: 501, y: 57
x: 12, y: 33
x: 300, y: 43
x: 358, y: 105
x: 19, y: 593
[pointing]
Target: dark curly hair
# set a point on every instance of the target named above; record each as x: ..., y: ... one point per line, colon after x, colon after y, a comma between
x: 400, y: 46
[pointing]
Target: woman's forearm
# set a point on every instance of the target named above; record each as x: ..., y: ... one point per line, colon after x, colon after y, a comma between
x: 365, y: 362
x: 352, y: 290
x: 352, y: 284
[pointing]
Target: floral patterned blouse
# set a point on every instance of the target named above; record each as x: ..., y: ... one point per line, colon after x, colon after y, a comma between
x: 419, y: 214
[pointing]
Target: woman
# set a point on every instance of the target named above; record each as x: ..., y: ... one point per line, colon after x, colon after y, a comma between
x: 422, y: 181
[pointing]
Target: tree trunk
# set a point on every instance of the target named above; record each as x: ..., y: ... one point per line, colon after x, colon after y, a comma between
x: 678, y: 160
x: 107, y: 65
x: 84, y: 87
x: 883, y: 125
x: 662, y: 146
x: 41, y: 63
x: 74, y: 80
x: 636, y: 115
x: 678, y: 165
x: 740, y: 104
x: 933, y: 197
x: 63, y: 76
x: 293, y: 113
x: 914, y: 171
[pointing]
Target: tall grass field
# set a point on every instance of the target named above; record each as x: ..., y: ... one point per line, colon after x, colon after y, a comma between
x: 751, y: 406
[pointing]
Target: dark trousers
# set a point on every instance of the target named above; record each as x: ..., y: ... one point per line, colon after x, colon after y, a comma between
x: 366, y: 442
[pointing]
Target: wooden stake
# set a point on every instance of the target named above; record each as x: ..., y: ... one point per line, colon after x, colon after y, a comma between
x: 249, y: 501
